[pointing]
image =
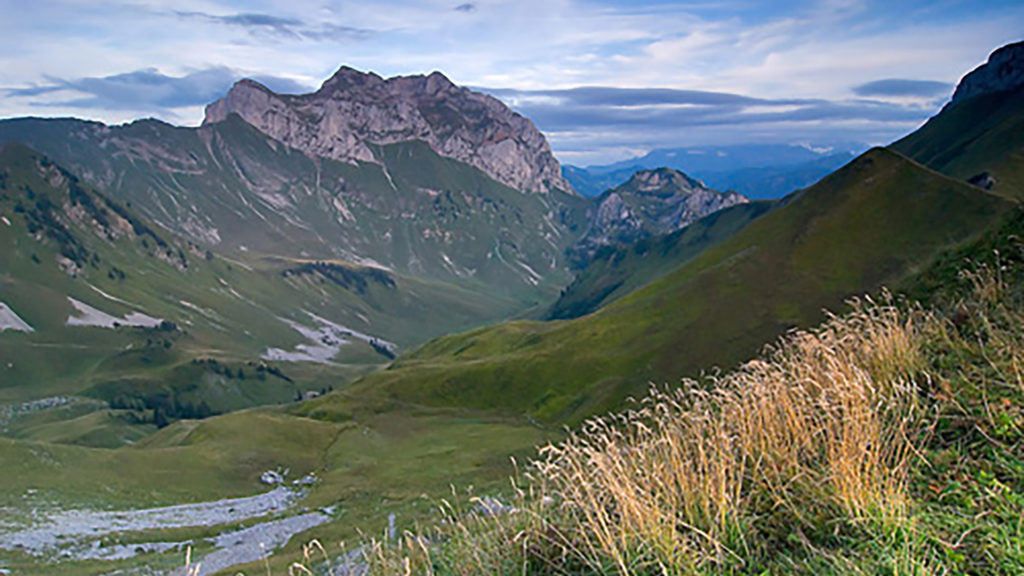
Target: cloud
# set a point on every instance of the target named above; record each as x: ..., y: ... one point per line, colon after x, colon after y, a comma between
x: 900, y: 87
x: 628, y: 97
x: 709, y: 70
x: 594, y: 123
x: 604, y: 107
x: 145, y: 89
x: 281, y: 27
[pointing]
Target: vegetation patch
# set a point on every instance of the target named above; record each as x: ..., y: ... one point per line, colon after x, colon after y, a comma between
x: 888, y: 440
x: 347, y: 277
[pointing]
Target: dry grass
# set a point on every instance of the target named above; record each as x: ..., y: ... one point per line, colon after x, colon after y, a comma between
x: 821, y: 430
x: 889, y: 440
x: 817, y: 435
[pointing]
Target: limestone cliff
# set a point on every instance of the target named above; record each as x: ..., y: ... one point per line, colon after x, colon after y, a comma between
x: 354, y: 111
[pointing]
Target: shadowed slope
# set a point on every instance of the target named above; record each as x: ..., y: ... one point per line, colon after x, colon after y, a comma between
x: 877, y: 220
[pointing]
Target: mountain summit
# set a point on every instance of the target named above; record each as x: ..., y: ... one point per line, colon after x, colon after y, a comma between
x: 651, y: 203
x: 354, y: 112
x: 1003, y: 71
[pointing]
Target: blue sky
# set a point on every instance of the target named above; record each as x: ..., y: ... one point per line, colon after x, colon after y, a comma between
x: 604, y: 80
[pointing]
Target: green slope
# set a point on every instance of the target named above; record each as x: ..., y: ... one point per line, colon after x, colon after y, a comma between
x: 375, y: 457
x: 870, y: 224
x: 62, y: 239
x: 984, y: 133
x: 231, y: 188
x: 617, y: 271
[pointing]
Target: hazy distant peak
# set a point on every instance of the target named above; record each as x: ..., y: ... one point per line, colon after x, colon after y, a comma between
x: 660, y: 178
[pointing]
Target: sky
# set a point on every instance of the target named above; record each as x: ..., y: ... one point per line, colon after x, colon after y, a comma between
x: 604, y: 80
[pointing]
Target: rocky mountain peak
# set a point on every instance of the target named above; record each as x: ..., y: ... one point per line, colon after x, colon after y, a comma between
x: 250, y: 84
x: 347, y: 78
x: 1003, y: 71
x: 663, y: 179
x: 650, y: 203
x: 353, y: 110
x: 437, y: 82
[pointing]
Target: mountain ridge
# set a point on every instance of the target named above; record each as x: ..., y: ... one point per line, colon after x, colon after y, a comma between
x: 651, y: 203
x: 869, y: 224
x: 759, y: 172
x: 353, y: 110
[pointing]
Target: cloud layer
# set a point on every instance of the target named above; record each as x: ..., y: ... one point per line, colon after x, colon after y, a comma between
x: 604, y: 78
x: 620, y: 118
x: 896, y: 87
x: 288, y: 28
x: 146, y: 88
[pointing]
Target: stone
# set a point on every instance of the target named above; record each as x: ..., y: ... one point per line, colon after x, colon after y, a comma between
x: 353, y: 111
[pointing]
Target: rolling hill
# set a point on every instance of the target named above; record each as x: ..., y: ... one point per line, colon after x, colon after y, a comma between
x: 616, y: 271
x: 877, y: 220
x: 100, y: 302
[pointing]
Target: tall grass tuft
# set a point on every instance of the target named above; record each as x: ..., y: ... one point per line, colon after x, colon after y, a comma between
x: 809, y: 446
x: 819, y: 433
x: 888, y: 440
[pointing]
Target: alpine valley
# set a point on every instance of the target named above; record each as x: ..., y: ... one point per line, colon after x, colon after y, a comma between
x: 310, y: 316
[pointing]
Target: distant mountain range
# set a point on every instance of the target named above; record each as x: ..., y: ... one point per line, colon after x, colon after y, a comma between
x: 651, y: 203
x: 757, y: 171
x: 410, y: 174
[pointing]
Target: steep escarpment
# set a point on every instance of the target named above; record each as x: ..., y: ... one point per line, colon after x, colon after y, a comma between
x: 354, y: 112
x: 1003, y: 71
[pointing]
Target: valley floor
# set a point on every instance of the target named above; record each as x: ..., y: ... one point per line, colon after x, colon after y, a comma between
x: 74, y: 510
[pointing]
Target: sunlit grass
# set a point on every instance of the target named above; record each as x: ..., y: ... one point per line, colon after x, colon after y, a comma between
x: 885, y: 441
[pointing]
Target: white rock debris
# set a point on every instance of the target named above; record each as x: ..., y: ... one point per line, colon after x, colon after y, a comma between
x: 86, y: 315
x: 11, y: 321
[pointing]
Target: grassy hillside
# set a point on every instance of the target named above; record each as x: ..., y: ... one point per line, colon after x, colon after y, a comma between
x: 60, y: 239
x: 980, y: 134
x: 617, y: 271
x: 888, y: 440
x: 378, y: 452
x: 872, y: 223
x: 369, y: 463
x: 236, y: 191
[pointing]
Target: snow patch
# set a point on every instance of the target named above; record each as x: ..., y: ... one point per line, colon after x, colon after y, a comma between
x: 342, y: 208
x: 11, y: 321
x: 534, y: 278
x: 325, y: 341
x: 86, y: 315
x: 109, y: 297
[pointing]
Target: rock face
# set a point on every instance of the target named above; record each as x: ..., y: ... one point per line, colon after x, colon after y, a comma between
x: 651, y: 203
x: 1003, y: 71
x: 353, y: 111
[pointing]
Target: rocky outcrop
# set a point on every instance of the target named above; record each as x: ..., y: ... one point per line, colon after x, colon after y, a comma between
x: 651, y: 203
x: 353, y: 111
x: 1003, y: 71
